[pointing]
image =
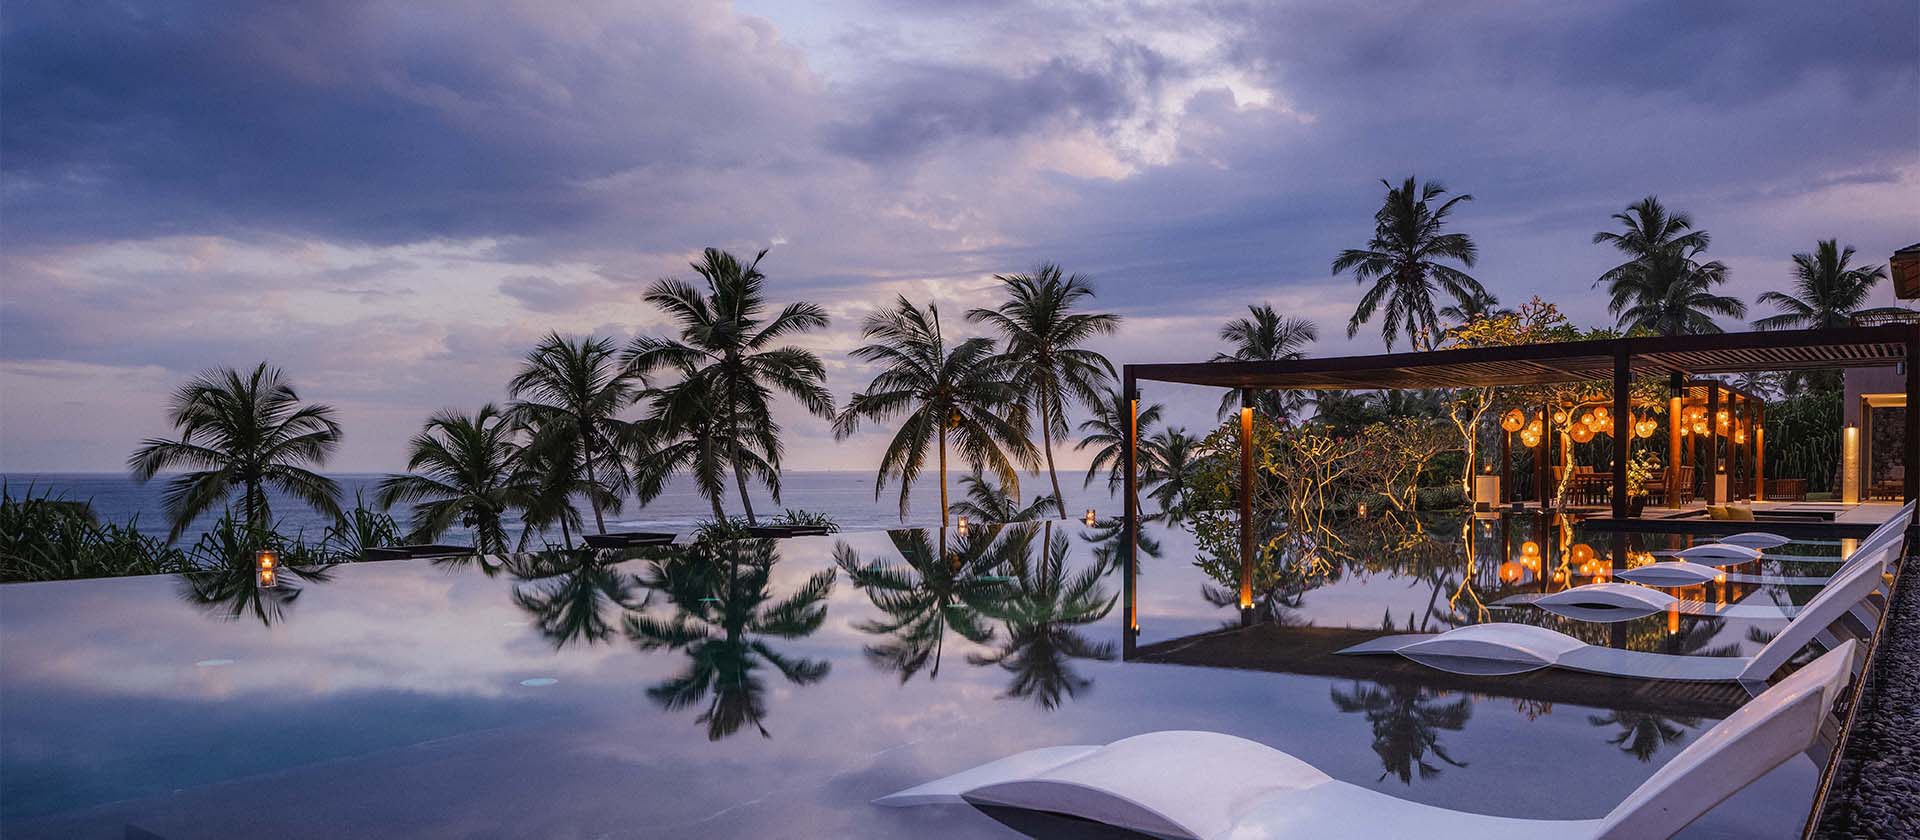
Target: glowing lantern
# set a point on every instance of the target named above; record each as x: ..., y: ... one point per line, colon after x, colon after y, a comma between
x: 1530, y: 438
x: 1723, y: 418
x: 963, y: 526
x: 1582, y: 553
x: 1510, y: 572
x: 1559, y: 417
x: 266, y: 566
x: 1646, y: 428
x: 1090, y: 518
x: 1601, y: 416
x: 1740, y: 436
x: 1580, y: 434
x: 1530, y: 549
x: 1514, y: 421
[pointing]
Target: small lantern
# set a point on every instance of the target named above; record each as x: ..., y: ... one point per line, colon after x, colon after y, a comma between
x: 1723, y: 418
x: 1514, y: 421
x: 1580, y: 433
x: 266, y: 568
x: 1090, y: 517
x: 1362, y: 509
x: 1530, y: 549
x: 1511, y: 572
x: 1582, y: 553
x: 1559, y: 417
x: 1600, y: 415
x: 963, y: 526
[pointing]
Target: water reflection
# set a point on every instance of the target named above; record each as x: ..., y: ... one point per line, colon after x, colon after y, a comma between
x: 1642, y: 734
x: 569, y: 594
x: 1047, y: 605
x: 230, y: 593
x: 725, y: 619
x: 936, y: 589
x: 1407, y: 720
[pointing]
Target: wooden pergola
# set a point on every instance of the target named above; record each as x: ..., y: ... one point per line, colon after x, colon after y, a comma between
x: 1678, y: 359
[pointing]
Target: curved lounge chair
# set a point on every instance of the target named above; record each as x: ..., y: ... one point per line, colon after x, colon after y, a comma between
x: 1501, y: 648
x: 1207, y: 785
x: 1718, y: 554
x: 1688, y: 573
x: 1755, y: 539
x: 1669, y: 573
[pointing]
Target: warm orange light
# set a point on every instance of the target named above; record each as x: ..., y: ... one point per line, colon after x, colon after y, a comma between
x: 265, y: 564
x: 1582, y: 553
x: 1090, y: 516
x: 1511, y: 572
x: 1673, y: 617
x: 1580, y: 433
x: 1514, y: 420
x: 1559, y: 418
x: 1530, y: 549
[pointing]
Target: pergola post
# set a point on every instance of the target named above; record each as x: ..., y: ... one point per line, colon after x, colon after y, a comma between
x: 1130, y: 519
x: 1759, y: 432
x: 1676, y: 398
x: 1246, y: 506
x: 1753, y: 450
x: 1506, y: 466
x: 1622, y: 427
x: 1912, y: 445
x: 1711, y: 463
x: 1543, y: 454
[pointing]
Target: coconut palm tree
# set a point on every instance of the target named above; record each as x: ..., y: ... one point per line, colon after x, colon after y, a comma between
x: 247, y: 432
x: 1403, y: 262
x: 1827, y: 291
x: 569, y: 393
x: 1642, y: 734
x: 466, y: 470
x: 964, y: 393
x: 1647, y: 228
x: 936, y: 591
x: 1106, y: 430
x: 728, y: 350
x: 1671, y: 293
x: 1174, y: 470
x: 1044, y: 346
x: 1482, y: 305
x: 685, y: 432
x: 1266, y: 336
x: 985, y: 502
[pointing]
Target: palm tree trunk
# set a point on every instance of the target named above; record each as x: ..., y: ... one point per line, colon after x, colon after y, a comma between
x: 943, y: 475
x: 566, y: 533
x: 1046, y: 443
x: 593, y: 486
x: 740, y: 478
x: 253, y: 504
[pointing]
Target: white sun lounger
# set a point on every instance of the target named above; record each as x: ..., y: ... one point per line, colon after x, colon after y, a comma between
x: 1212, y: 786
x: 1606, y: 603
x: 1503, y: 648
x: 1685, y: 572
x: 1755, y: 539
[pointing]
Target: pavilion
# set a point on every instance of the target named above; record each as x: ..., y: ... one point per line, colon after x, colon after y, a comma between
x: 1714, y: 415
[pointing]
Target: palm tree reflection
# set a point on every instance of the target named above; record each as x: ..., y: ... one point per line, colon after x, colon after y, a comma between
x: 569, y: 592
x: 937, y: 590
x: 724, y: 616
x: 1407, y: 721
x: 1042, y: 618
x: 1644, y: 734
x: 229, y: 591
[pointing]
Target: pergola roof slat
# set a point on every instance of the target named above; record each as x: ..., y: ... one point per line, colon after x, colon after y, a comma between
x: 1572, y: 361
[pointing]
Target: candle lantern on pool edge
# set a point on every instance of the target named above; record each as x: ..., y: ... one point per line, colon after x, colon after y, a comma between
x: 266, y: 568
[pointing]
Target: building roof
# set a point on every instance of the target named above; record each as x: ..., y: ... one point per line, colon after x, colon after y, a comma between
x: 1572, y: 361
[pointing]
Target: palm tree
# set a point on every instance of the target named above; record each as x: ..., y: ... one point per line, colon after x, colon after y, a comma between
x: 1642, y: 734
x: 727, y: 350
x: 1829, y: 292
x: 1663, y: 287
x: 1671, y: 293
x: 1174, y: 469
x: 1403, y: 261
x: 1043, y: 615
x: 570, y: 394
x: 1481, y: 305
x: 937, y: 591
x: 1044, y: 338
x: 724, y: 623
x: 240, y: 431
x: 963, y: 393
x: 1266, y: 336
x: 467, y: 471
x: 986, y: 502
x: 1107, y: 430
x: 684, y: 432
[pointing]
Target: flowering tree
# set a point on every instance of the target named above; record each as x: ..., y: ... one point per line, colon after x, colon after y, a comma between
x: 1535, y: 322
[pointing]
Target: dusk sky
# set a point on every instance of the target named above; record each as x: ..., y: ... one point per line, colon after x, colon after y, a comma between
x: 393, y: 201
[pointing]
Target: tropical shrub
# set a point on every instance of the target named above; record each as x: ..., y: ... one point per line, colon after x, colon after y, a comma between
x: 48, y: 537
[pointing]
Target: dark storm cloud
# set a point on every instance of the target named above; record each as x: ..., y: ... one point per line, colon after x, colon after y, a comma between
x: 919, y: 107
x: 356, y: 120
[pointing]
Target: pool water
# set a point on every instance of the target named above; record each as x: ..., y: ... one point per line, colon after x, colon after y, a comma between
x: 774, y: 688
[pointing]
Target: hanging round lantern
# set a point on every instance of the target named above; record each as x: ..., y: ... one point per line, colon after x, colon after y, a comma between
x: 1529, y: 439
x: 1530, y: 549
x: 1514, y: 420
x: 1582, y: 552
x: 1511, y: 572
x: 1601, y: 415
x: 1580, y: 433
x: 1559, y: 417
x: 1722, y: 418
x: 1740, y: 436
x: 1536, y: 428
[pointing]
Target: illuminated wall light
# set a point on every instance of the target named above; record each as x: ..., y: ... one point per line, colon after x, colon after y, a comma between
x: 1090, y: 517
x: 963, y: 526
x: 1850, y: 466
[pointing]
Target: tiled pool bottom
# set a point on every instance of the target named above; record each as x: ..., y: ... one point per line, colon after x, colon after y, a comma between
x: 406, y: 699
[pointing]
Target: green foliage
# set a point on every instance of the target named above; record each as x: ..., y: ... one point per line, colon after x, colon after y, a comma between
x: 1803, y: 439
x: 46, y: 537
x: 808, y: 518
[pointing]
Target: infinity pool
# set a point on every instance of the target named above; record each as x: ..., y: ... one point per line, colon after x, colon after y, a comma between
x: 772, y: 689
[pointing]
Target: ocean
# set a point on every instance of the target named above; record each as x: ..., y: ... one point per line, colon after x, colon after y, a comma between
x: 845, y: 495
